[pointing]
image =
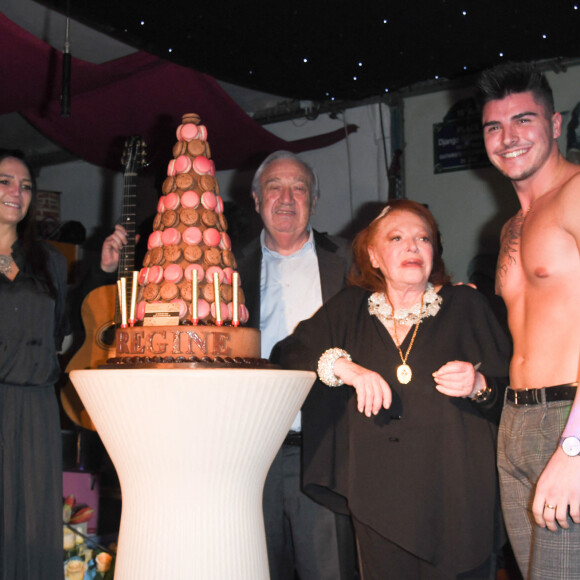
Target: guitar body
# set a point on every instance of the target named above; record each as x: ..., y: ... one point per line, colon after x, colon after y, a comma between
x: 100, y: 308
x: 97, y: 311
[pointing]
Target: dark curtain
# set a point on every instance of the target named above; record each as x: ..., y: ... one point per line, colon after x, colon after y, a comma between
x: 135, y: 95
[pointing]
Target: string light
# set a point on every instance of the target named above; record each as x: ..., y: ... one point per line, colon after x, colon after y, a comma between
x: 373, y: 81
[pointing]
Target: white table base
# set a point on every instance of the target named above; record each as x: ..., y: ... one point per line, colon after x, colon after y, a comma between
x: 192, y: 449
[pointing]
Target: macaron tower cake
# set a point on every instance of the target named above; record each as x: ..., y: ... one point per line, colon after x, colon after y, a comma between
x: 189, y: 305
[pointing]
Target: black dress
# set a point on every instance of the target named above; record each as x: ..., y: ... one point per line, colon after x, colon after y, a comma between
x: 421, y: 474
x: 31, y: 329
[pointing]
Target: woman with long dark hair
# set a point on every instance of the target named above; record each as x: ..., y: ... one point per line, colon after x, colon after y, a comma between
x: 32, y: 325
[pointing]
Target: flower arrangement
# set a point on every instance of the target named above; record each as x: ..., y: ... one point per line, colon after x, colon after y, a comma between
x: 84, y: 559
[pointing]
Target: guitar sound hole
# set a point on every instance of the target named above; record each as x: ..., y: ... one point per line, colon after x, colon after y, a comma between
x: 107, y: 337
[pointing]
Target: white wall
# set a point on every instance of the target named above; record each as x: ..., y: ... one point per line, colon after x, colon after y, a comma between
x: 89, y: 194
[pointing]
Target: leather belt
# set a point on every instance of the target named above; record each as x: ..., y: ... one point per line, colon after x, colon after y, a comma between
x: 293, y: 438
x: 538, y: 396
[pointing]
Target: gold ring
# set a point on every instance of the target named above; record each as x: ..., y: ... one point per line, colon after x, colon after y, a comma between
x: 550, y: 507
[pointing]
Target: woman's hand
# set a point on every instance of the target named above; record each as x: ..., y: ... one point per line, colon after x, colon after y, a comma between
x: 112, y: 247
x: 372, y: 390
x: 458, y: 379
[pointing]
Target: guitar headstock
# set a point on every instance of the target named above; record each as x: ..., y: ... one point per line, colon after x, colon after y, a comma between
x: 134, y: 154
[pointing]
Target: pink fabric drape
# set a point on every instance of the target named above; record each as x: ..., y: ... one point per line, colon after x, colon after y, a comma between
x: 135, y: 95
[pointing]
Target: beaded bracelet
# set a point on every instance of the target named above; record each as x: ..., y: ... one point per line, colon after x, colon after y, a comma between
x: 326, y: 366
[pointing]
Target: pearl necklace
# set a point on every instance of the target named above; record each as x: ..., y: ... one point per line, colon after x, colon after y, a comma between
x: 380, y: 307
x: 5, y: 264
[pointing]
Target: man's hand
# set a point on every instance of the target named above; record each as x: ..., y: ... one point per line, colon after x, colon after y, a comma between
x: 557, y: 491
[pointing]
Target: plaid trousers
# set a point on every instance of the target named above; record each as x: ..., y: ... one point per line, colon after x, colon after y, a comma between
x: 528, y: 437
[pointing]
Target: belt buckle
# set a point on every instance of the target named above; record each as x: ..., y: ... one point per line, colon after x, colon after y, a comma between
x: 527, y: 397
x: 533, y: 396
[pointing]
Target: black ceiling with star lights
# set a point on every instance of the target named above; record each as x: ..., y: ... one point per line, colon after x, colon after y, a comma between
x: 334, y: 50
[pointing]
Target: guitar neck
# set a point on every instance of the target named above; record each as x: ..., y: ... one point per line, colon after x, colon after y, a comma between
x: 127, y: 256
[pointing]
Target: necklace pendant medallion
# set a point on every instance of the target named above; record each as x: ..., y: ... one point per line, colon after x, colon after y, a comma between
x: 404, y: 374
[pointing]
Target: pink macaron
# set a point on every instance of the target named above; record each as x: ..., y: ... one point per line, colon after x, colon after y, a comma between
x: 161, y: 205
x: 219, y: 206
x: 188, y: 272
x: 170, y: 236
x: 187, y: 132
x: 192, y: 236
x: 173, y: 273
x: 203, y: 309
x: 155, y: 274
x: 243, y: 313
x: 143, y: 276
x: 182, y: 307
x: 202, y: 165
x: 190, y: 199
x: 202, y: 132
x: 213, y: 270
x: 208, y: 200
x: 182, y: 164
x: 154, y: 240
x: 223, y: 311
x: 171, y: 200
x: 225, y: 241
x: 228, y: 274
x: 140, y: 310
x: 171, y: 168
x: 211, y: 237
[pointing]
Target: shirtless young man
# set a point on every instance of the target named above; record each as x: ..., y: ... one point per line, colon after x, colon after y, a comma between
x: 538, y: 276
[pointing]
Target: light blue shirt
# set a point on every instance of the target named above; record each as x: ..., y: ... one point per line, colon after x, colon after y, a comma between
x: 289, y: 293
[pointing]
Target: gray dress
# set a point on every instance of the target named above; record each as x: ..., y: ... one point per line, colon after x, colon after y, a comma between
x: 32, y: 326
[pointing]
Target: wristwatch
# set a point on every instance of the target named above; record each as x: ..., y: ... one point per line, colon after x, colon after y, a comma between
x: 570, y: 445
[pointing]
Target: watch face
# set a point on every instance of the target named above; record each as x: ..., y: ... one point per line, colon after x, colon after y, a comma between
x: 571, y: 446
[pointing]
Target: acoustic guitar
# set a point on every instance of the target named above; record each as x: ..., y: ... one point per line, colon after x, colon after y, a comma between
x: 100, y: 311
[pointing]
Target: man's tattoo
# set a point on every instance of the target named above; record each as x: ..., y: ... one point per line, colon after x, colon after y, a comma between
x: 510, y: 243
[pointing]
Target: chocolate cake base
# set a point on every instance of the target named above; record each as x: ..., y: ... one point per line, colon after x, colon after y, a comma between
x: 203, y: 342
x: 181, y: 362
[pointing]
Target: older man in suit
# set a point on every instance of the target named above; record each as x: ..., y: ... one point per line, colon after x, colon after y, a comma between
x: 287, y: 273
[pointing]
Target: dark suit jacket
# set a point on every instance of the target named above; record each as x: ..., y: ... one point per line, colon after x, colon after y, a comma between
x: 334, y: 259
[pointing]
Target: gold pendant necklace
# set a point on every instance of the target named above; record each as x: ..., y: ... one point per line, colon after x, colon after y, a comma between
x: 404, y: 372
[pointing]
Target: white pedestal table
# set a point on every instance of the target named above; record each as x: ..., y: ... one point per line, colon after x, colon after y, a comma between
x: 192, y: 449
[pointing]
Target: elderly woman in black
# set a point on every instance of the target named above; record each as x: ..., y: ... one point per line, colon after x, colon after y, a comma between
x: 33, y: 324
x: 400, y: 429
